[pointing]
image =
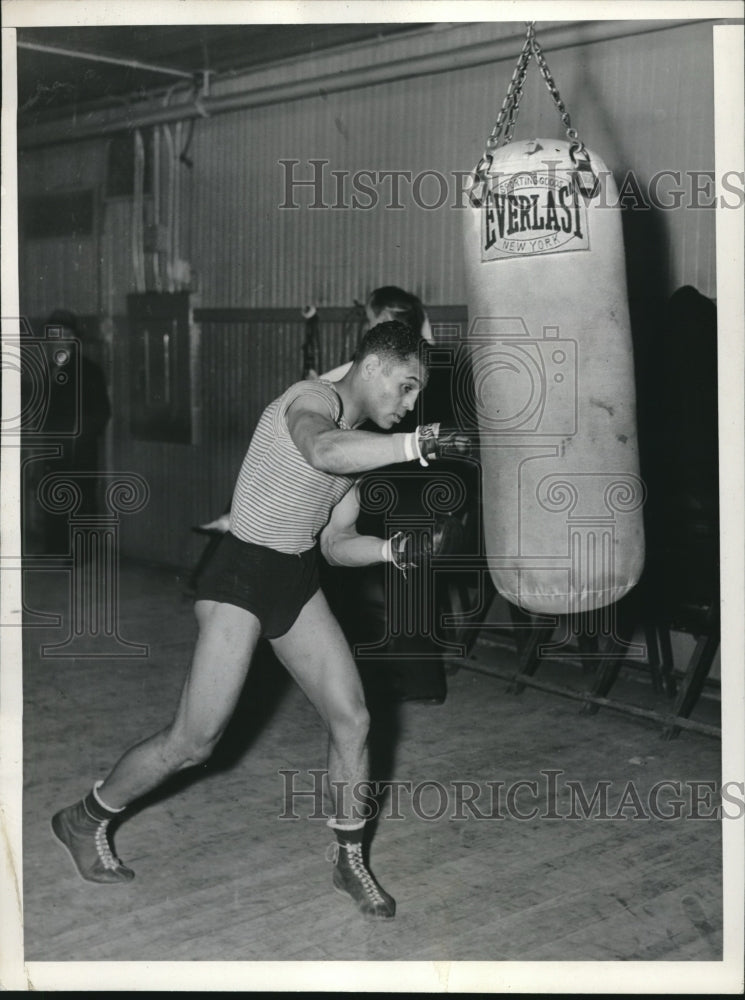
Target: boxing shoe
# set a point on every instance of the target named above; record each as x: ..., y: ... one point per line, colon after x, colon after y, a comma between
x: 353, y: 877
x: 83, y: 829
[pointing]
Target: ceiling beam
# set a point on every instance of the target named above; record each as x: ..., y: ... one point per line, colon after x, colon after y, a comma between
x: 99, y: 123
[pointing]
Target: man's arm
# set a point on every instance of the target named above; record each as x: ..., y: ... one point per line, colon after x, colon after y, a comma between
x: 344, y: 453
x: 341, y: 544
x: 327, y: 448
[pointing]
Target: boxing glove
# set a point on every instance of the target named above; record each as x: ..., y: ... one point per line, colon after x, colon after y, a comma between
x: 415, y: 549
x: 435, y: 441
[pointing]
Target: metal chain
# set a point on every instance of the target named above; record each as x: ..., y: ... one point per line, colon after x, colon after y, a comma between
x: 571, y: 133
x: 516, y: 98
x: 501, y: 133
x: 504, y: 126
x: 512, y: 98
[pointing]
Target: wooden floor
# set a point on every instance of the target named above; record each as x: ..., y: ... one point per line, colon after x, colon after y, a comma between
x: 221, y: 877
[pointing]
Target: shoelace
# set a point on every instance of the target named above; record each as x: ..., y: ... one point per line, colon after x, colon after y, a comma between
x: 102, y: 846
x: 356, y: 863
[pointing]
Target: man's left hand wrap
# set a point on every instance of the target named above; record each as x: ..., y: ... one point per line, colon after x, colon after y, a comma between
x: 410, y: 550
x: 414, y: 549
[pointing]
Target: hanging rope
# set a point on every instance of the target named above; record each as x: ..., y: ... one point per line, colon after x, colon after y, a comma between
x: 311, y: 344
x: 138, y: 237
x: 352, y: 330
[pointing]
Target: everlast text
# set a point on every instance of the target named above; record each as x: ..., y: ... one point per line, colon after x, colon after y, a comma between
x: 532, y: 214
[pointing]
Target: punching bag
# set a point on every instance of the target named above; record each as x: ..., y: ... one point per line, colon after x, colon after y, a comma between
x: 553, y: 389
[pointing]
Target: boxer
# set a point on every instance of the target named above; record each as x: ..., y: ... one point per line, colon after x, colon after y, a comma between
x: 296, y: 485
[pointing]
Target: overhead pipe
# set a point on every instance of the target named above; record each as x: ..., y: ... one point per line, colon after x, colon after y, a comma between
x: 55, y: 50
x: 100, y: 123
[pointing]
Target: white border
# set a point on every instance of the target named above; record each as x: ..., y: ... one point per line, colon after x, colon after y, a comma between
x: 37, y: 13
x: 729, y: 140
x: 11, y: 695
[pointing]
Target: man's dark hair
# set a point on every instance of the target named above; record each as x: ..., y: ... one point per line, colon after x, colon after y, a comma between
x: 394, y: 343
x: 404, y: 306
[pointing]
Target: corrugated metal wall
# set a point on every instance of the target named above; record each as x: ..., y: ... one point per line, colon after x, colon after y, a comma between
x: 644, y: 103
x: 59, y: 272
x: 242, y: 367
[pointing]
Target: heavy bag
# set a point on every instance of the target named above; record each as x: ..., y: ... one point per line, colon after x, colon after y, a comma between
x: 553, y: 389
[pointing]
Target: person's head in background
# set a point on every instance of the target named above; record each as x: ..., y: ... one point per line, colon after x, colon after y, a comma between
x: 65, y: 319
x: 392, y: 303
x: 61, y: 327
x: 385, y: 304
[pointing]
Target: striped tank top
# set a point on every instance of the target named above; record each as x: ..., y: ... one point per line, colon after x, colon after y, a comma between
x: 280, y: 501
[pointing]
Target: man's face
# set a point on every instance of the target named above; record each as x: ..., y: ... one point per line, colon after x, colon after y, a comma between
x: 393, y: 389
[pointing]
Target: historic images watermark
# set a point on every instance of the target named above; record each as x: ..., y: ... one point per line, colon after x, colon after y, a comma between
x: 550, y: 795
x: 316, y: 184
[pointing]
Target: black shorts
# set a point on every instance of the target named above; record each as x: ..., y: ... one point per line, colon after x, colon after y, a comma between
x: 272, y: 585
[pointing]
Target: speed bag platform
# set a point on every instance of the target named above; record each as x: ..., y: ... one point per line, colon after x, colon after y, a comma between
x: 553, y: 389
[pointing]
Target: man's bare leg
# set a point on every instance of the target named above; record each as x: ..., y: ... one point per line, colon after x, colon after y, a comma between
x: 222, y: 656
x: 317, y: 655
